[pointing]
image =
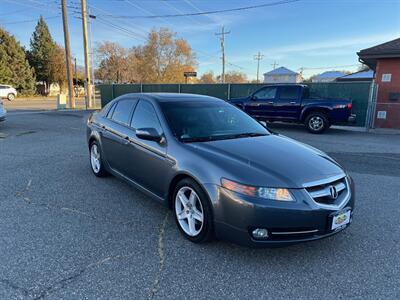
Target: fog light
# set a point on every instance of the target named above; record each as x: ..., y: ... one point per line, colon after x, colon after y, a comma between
x: 260, y: 233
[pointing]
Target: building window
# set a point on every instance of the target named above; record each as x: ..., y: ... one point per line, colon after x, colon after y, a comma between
x: 381, y: 114
x: 386, y: 77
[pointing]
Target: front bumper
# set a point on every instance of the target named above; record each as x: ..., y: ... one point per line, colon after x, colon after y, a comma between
x: 236, y: 216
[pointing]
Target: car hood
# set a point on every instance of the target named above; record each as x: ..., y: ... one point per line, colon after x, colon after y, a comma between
x: 271, y: 160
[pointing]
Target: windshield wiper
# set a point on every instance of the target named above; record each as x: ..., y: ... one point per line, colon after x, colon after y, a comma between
x: 247, y: 134
x: 198, y: 139
x: 222, y: 137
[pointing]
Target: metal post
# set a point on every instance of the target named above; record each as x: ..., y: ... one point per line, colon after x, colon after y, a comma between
x: 71, y: 99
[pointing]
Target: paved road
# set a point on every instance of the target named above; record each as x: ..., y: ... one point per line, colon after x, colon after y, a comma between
x: 65, y: 234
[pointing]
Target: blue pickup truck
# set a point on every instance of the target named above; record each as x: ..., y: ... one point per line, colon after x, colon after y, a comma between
x: 293, y: 103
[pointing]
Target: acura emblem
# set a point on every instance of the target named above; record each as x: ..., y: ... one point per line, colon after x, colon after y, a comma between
x: 333, y: 192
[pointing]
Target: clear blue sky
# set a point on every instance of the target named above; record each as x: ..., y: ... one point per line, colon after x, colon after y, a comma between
x: 307, y: 33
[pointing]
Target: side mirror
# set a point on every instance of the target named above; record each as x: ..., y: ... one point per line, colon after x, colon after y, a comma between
x: 149, y: 134
x: 263, y: 123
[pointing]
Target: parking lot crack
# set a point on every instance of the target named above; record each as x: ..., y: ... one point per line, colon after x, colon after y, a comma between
x: 161, y: 254
x: 62, y: 283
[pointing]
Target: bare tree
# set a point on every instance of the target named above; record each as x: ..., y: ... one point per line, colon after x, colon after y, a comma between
x: 163, y: 59
x: 207, y: 77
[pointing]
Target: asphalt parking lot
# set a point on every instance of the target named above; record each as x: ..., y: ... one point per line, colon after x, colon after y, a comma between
x: 65, y: 234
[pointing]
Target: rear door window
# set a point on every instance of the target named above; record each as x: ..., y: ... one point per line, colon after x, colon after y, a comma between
x: 123, y: 111
x: 289, y: 93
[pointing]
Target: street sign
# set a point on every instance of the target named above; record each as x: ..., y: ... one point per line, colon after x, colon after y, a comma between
x: 190, y: 74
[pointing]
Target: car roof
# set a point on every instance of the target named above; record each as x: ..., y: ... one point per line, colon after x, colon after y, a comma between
x: 173, y: 97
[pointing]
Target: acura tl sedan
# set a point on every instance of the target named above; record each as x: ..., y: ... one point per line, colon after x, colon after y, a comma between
x: 221, y: 172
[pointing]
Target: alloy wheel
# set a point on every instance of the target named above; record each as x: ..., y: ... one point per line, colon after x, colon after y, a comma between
x: 316, y: 123
x: 95, y: 158
x: 189, y: 211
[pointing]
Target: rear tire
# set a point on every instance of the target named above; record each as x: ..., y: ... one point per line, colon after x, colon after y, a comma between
x: 192, y: 210
x: 96, y: 160
x: 317, y: 122
x: 10, y: 97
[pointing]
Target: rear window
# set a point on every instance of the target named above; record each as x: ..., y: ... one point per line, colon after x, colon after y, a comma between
x: 122, y: 112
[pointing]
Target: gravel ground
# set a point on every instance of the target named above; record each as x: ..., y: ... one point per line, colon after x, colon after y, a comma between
x: 65, y: 234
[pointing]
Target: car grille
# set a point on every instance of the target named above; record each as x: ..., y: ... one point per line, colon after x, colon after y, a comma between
x: 332, y: 193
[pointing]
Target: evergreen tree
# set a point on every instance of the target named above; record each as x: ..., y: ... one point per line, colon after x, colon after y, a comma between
x: 42, y: 47
x: 14, y: 67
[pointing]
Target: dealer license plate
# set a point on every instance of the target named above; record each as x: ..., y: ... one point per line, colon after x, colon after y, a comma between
x: 341, y: 219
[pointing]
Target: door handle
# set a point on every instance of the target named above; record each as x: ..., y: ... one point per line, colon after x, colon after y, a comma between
x: 126, y: 140
x: 293, y: 102
x: 270, y: 102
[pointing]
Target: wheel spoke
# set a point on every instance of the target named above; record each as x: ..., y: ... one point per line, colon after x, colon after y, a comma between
x: 197, y: 215
x: 192, y: 198
x: 184, y: 200
x: 192, y: 227
x: 182, y: 215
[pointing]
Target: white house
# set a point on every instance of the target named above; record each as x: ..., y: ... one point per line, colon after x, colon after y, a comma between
x: 282, y: 75
x: 328, y: 76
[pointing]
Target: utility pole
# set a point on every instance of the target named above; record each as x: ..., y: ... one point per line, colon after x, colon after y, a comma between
x: 71, y: 99
x: 76, y: 78
x: 88, y: 83
x: 274, y: 65
x: 301, y: 71
x: 258, y: 57
x: 222, y: 39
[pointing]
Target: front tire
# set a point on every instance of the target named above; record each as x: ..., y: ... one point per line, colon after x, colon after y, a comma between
x: 193, y: 213
x: 96, y: 160
x: 316, y: 122
x: 10, y: 97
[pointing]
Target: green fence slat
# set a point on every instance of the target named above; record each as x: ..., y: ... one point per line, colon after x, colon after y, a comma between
x: 218, y: 90
x: 160, y: 88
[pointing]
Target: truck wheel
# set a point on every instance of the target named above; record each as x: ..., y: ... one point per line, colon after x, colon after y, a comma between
x: 316, y: 122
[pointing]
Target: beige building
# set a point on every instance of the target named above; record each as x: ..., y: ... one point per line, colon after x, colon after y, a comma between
x: 282, y: 75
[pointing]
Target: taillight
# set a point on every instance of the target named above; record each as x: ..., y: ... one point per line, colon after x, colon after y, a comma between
x: 350, y: 106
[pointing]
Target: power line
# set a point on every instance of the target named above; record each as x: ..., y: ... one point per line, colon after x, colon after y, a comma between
x: 144, y: 10
x: 14, y: 12
x: 130, y: 33
x: 179, y: 11
x: 104, y: 21
x: 29, y: 21
x: 208, y: 12
x: 115, y: 25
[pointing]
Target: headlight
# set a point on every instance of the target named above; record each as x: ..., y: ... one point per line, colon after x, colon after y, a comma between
x: 279, y: 194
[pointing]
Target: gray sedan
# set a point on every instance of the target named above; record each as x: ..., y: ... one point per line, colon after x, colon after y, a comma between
x: 222, y: 173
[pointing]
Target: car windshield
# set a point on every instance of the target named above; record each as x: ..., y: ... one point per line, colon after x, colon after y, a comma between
x: 199, y: 121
